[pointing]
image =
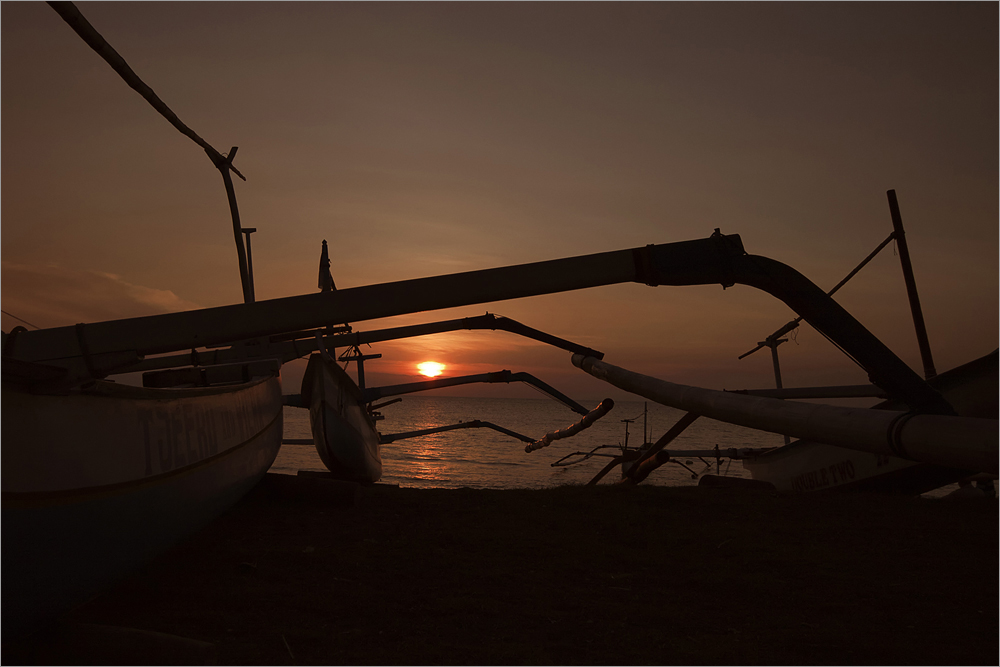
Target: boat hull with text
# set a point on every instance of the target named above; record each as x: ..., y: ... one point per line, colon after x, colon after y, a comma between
x: 804, y: 466
x: 104, y: 478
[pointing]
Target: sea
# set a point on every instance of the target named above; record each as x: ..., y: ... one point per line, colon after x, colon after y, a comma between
x: 483, y: 458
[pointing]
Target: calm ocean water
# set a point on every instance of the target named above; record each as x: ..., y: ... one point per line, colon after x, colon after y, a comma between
x: 484, y: 458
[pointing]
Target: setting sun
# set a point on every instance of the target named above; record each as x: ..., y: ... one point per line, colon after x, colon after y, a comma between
x: 430, y: 368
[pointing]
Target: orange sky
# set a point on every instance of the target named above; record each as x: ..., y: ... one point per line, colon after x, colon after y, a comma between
x: 421, y: 139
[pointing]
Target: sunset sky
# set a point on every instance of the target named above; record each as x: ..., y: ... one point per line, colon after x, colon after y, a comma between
x: 421, y: 139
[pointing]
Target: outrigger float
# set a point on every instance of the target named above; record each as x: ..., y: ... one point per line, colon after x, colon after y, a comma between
x: 98, y: 477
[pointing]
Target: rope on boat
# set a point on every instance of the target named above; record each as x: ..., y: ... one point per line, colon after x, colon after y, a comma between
x: 791, y: 326
x: 588, y: 420
x: 19, y: 319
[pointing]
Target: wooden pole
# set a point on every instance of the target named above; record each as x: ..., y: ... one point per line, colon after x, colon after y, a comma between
x: 911, y: 287
x: 69, y: 13
x: 773, y: 343
x: 647, y: 463
x: 241, y: 253
x: 247, y: 231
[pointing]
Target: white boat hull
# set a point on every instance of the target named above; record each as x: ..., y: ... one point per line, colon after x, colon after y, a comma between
x: 343, y: 432
x: 98, y: 481
x: 805, y: 466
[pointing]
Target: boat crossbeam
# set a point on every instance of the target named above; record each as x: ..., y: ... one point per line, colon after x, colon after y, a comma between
x: 588, y: 420
x: 304, y: 342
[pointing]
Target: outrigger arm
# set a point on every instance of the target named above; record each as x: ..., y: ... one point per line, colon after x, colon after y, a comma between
x: 93, y: 348
x: 375, y: 393
x: 385, y: 438
x: 305, y: 342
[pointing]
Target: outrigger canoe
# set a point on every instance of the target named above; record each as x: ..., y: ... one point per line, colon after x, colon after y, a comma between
x: 104, y: 477
x: 343, y: 431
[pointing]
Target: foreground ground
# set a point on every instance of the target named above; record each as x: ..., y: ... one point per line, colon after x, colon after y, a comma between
x: 305, y: 572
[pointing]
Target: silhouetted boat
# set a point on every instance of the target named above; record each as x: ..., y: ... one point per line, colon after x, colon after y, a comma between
x: 804, y: 465
x: 343, y: 430
x: 970, y: 390
x: 958, y: 445
x: 875, y: 450
x: 99, y: 477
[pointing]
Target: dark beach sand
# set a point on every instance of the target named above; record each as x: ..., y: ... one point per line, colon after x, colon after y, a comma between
x: 604, y: 575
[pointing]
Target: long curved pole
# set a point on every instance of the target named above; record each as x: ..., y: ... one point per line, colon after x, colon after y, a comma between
x: 717, y: 259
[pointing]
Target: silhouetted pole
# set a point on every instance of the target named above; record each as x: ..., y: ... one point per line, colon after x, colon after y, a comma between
x: 649, y: 461
x: 247, y: 231
x: 911, y: 287
x: 241, y: 253
x: 773, y: 342
x: 69, y: 13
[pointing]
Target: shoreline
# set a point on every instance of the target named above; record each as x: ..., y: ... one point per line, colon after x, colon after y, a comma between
x: 309, y: 571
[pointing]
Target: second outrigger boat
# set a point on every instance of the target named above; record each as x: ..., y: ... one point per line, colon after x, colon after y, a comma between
x: 836, y: 455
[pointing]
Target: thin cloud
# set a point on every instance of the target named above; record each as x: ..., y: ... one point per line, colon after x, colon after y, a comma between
x: 51, y: 295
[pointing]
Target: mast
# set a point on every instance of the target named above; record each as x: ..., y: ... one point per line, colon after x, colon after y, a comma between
x: 645, y: 422
x: 773, y: 342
